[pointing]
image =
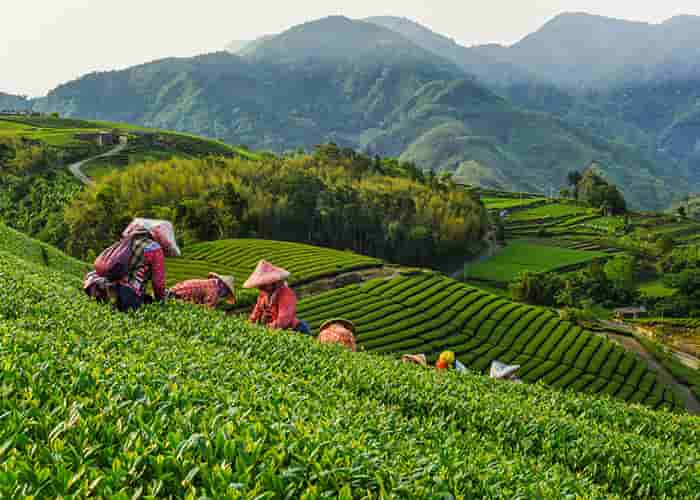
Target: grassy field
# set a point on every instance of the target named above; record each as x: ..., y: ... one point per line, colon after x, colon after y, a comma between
x: 552, y: 210
x: 429, y: 313
x: 498, y: 203
x: 239, y: 258
x: 656, y: 289
x: 182, y: 402
x: 522, y: 255
x: 61, y: 133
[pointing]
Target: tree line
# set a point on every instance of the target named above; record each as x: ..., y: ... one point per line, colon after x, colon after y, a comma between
x: 331, y: 197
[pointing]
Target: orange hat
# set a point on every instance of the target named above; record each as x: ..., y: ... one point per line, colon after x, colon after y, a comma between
x: 266, y: 274
x: 338, y: 333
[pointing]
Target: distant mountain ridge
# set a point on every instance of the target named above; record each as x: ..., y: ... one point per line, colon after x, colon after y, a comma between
x: 580, y: 49
x: 14, y: 102
x: 361, y: 84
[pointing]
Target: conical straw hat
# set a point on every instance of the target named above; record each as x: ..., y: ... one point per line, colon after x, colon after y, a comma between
x: 265, y: 274
x: 227, y: 280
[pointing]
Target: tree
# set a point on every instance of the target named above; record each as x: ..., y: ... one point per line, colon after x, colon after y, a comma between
x: 666, y: 244
x: 621, y: 271
x: 574, y: 178
x: 682, y: 212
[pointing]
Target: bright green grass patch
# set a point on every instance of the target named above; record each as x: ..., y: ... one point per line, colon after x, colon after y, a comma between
x: 551, y: 210
x: 495, y: 203
x: 521, y: 255
x: 657, y: 289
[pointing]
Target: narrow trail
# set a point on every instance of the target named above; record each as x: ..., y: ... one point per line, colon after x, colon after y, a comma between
x: 692, y: 404
x: 76, y: 168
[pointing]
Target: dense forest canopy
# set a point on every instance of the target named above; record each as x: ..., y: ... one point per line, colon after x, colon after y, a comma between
x: 333, y: 197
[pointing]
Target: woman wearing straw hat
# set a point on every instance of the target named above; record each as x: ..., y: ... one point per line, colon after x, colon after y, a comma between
x: 209, y: 292
x: 277, y: 303
x: 338, y: 331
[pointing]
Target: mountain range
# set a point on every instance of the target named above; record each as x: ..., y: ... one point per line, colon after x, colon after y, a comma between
x: 14, y: 102
x: 582, y: 90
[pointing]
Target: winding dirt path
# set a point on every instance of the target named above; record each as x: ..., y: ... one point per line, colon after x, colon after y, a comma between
x: 76, y: 168
x: 692, y: 404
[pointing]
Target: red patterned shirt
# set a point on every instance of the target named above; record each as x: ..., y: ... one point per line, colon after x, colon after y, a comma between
x: 198, y: 291
x: 153, y: 268
x: 277, y: 310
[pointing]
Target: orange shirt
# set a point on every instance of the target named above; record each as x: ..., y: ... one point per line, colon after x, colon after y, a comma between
x: 277, y: 310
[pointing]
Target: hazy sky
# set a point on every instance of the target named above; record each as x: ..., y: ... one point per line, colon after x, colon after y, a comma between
x: 47, y: 42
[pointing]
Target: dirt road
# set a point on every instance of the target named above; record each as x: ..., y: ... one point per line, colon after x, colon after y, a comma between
x: 692, y: 404
x: 75, y: 168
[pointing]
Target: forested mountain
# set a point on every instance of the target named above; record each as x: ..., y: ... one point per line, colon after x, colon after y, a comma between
x: 581, y: 50
x: 363, y: 85
x: 632, y: 83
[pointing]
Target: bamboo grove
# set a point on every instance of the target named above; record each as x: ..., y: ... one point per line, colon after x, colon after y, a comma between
x: 333, y: 198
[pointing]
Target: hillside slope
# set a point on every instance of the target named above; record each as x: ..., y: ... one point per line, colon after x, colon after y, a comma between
x: 163, y: 403
x: 640, y: 80
x: 362, y: 85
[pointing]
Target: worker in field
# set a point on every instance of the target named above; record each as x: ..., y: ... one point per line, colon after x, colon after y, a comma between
x: 338, y: 331
x: 123, y: 270
x: 416, y: 359
x: 502, y: 371
x: 216, y: 288
x: 277, y: 303
x: 448, y: 361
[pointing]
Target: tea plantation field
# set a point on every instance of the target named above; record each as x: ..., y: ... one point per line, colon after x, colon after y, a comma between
x: 429, y: 313
x: 178, y: 401
x: 522, y: 255
x: 61, y: 133
x: 239, y: 258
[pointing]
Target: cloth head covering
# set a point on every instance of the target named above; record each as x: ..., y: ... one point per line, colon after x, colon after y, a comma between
x: 344, y: 322
x: 418, y: 359
x: 266, y: 274
x: 502, y: 371
x: 161, y: 231
x: 448, y: 357
x: 229, y: 282
x: 337, y: 333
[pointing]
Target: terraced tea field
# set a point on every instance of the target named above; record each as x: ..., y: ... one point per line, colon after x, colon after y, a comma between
x: 500, y: 203
x: 429, y: 313
x: 182, y: 402
x: 239, y: 258
x: 522, y: 255
x: 61, y: 133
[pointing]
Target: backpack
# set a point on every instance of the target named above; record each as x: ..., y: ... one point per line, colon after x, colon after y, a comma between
x: 113, y: 263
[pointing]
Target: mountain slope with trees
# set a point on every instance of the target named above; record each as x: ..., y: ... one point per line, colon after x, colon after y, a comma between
x: 364, y: 86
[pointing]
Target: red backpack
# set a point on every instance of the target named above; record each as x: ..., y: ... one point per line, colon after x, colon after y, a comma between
x: 113, y: 263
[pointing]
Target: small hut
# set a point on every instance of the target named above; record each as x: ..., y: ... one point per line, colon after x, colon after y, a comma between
x: 624, y: 313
